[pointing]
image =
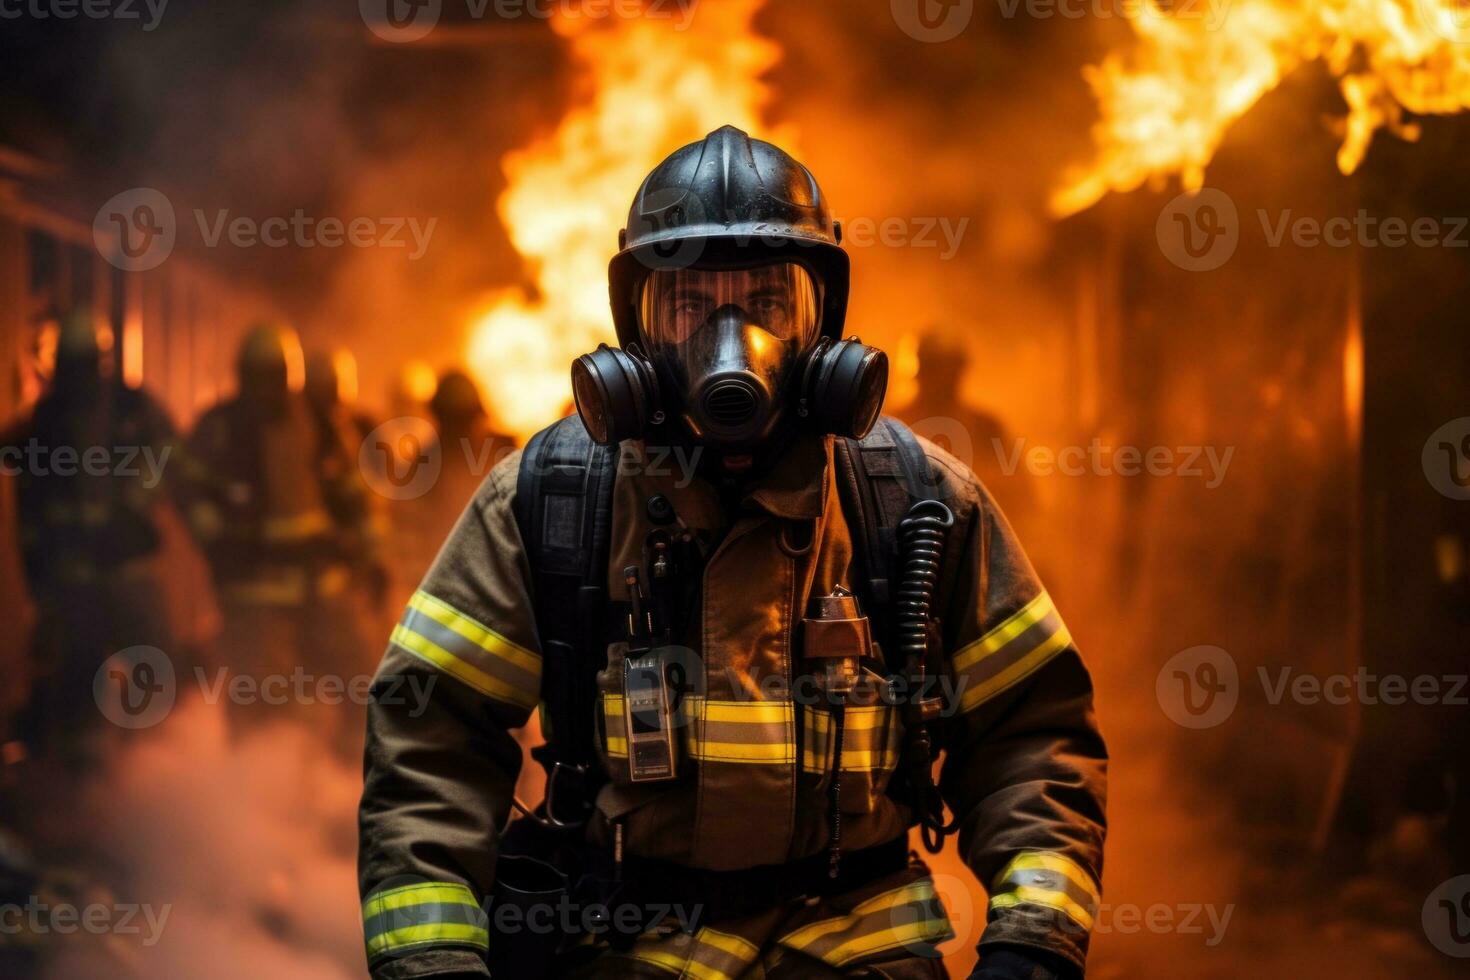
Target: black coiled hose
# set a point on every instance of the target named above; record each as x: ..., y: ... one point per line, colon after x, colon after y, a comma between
x: 921, y: 538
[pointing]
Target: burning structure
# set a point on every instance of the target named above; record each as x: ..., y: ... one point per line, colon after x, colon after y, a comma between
x: 1126, y: 254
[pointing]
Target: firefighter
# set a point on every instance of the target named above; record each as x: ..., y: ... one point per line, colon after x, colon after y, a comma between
x: 91, y: 462
x: 470, y: 445
x: 753, y: 613
x: 940, y: 412
x: 332, y: 387
x: 331, y: 392
x: 281, y: 509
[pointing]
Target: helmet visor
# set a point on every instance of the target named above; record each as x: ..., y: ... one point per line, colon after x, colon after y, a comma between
x: 780, y: 299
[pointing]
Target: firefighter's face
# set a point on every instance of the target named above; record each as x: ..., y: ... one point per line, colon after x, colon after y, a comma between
x: 727, y: 340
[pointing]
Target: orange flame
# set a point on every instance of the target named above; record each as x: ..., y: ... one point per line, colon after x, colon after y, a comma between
x: 652, y: 88
x: 1166, y: 104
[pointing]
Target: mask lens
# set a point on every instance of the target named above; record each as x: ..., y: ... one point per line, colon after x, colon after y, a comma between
x: 779, y: 298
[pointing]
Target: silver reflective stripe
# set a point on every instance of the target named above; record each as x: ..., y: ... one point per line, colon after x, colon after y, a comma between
x: 423, y: 915
x: 1010, y: 652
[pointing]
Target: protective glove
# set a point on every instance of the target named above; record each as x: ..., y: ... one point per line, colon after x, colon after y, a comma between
x: 1022, y: 963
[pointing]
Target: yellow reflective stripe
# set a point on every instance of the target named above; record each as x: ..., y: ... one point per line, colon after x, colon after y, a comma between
x: 461, y: 669
x: 411, y: 895
x: 1018, y: 671
x: 856, y: 718
x: 672, y: 962
x: 700, y: 971
x: 870, y: 927
x: 1050, y: 861
x: 1027, y: 895
x: 753, y: 725
x: 434, y: 932
x: 806, y: 935
x: 748, y: 712
x: 477, y: 633
x: 720, y: 956
x: 925, y: 930
x: 734, y: 945
x: 425, y: 900
x: 717, y: 731
x: 615, y: 736
x: 863, y: 726
x: 1029, y: 615
x: 745, y: 752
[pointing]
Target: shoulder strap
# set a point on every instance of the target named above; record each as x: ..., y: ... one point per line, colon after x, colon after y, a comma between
x: 880, y: 477
x: 563, y: 508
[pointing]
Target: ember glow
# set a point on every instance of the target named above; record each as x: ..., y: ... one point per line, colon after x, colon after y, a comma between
x: 1167, y: 102
x: 647, y: 90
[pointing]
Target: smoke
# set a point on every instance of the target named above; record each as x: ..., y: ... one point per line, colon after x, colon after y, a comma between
x: 243, y: 847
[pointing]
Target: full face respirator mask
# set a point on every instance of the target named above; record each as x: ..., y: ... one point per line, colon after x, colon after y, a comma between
x: 729, y: 293
x: 729, y: 356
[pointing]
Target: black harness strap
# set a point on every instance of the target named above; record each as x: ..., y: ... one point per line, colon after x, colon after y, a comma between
x: 563, y: 508
x: 880, y: 478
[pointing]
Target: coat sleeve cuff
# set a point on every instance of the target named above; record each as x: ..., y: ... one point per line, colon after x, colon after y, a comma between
x: 1038, y: 927
x: 431, y: 963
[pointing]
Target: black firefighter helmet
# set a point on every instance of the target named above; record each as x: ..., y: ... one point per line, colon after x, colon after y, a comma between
x: 729, y: 295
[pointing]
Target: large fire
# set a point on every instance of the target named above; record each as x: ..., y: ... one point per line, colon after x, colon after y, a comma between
x: 649, y: 85
x: 1166, y: 104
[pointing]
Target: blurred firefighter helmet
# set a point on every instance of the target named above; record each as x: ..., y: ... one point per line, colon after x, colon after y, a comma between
x: 78, y: 353
x: 456, y: 403
x: 331, y: 377
x: 271, y: 363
